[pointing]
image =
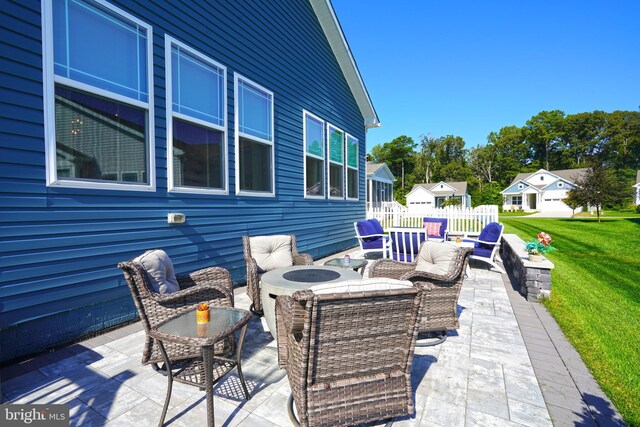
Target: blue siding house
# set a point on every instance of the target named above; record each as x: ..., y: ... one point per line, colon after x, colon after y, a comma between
x: 249, y: 117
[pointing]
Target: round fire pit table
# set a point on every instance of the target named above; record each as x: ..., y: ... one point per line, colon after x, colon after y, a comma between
x: 287, y: 280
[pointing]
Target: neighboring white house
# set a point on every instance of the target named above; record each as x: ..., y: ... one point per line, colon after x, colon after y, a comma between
x: 637, y: 187
x: 379, y: 184
x: 433, y: 195
x: 541, y: 191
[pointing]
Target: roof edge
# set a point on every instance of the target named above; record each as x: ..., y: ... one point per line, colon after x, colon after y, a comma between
x: 335, y: 36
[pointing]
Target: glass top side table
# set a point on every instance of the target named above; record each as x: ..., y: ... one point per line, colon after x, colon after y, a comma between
x: 355, y: 264
x: 204, y: 371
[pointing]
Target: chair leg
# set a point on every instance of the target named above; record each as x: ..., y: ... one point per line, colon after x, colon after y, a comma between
x: 292, y: 415
x: 253, y: 310
x: 497, y: 267
x: 440, y: 337
x: 239, y: 362
x: 169, y: 384
x: 159, y: 369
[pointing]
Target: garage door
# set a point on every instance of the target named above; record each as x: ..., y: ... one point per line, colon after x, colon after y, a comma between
x: 554, y: 205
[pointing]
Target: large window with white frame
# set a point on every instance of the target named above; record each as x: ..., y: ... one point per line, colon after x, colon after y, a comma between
x: 254, y: 138
x: 336, y: 162
x: 314, y: 169
x: 352, y: 167
x: 98, y: 96
x: 196, y: 120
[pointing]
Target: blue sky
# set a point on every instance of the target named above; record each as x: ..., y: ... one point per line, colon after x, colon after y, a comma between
x: 471, y: 67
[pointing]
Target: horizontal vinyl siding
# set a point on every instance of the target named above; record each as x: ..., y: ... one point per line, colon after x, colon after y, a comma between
x: 60, y: 246
x: 514, y: 188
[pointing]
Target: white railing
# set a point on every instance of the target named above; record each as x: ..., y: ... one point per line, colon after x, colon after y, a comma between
x: 469, y: 221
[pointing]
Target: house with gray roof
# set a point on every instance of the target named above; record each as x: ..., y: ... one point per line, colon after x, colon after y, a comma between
x: 541, y: 191
x: 380, y: 181
x: 433, y: 195
x: 637, y: 187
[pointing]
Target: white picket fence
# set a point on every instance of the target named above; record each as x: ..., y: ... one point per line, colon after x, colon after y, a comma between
x: 461, y: 221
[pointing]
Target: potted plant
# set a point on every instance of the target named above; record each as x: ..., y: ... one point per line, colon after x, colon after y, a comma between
x: 537, y: 248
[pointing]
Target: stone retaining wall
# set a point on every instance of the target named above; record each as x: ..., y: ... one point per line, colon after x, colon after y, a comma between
x: 534, y: 278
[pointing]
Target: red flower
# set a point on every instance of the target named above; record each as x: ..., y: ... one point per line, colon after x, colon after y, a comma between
x: 544, y: 238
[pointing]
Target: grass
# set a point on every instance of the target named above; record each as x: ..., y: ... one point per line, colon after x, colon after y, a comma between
x: 516, y: 213
x: 609, y: 214
x: 595, y: 298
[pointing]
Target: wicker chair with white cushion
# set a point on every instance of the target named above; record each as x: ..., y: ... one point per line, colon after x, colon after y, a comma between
x: 439, y: 270
x: 265, y: 253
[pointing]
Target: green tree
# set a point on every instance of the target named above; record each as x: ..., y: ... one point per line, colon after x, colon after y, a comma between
x: 573, y: 201
x: 622, y: 149
x: 451, y: 201
x: 544, y: 132
x: 487, y: 195
x: 513, y: 154
x: 447, y: 159
x: 425, y: 159
x: 583, y: 138
x: 483, y: 163
x: 597, y: 188
x: 398, y: 155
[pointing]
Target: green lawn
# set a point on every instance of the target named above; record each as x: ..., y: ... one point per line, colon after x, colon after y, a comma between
x: 610, y: 214
x: 517, y: 213
x: 595, y: 298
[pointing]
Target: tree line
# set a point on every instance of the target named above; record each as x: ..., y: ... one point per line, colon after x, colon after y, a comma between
x: 550, y: 140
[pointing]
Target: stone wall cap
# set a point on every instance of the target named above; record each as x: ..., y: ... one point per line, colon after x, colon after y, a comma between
x: 517, y: 246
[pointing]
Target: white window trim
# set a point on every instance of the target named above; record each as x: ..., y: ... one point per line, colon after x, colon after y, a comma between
x: 329, y: 162
x: 49, y: 81
x: 236, y: 78
x: 168, y: 42
x: 347, y: 167
x: 306, y: 113
x: 560, y: 184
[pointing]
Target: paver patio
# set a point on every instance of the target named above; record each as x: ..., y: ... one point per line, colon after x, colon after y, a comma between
x: 482, y: 375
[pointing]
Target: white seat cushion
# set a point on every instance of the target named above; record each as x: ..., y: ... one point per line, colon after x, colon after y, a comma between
x: 159, y: 270
x: 436, y: 257
x: 271, y: 252
x: 376, y: 284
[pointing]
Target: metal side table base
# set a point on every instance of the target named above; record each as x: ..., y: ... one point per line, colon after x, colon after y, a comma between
x: 434, y: 338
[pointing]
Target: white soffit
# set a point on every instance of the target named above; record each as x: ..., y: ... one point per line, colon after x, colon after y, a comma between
x: 332, y: 30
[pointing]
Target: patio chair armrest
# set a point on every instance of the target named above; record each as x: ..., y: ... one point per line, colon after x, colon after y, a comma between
x: 212, y: 276
x: 425, y: 276
x: 208, y: 284
x: 481, y: 241
x: 290, y: 317
x: 252, y: 268
x: 193, y: 295
x: 368, y: 236
x: 302, y: 259
x: 390, y: 269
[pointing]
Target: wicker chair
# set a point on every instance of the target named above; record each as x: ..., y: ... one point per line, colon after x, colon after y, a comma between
x: 212, y: 285
x: 255, y: 270
x: 348, y: 356
x: 440, y: 291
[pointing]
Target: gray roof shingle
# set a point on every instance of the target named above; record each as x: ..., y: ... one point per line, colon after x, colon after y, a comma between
x: 460, y: 187
x: 570, y: 175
